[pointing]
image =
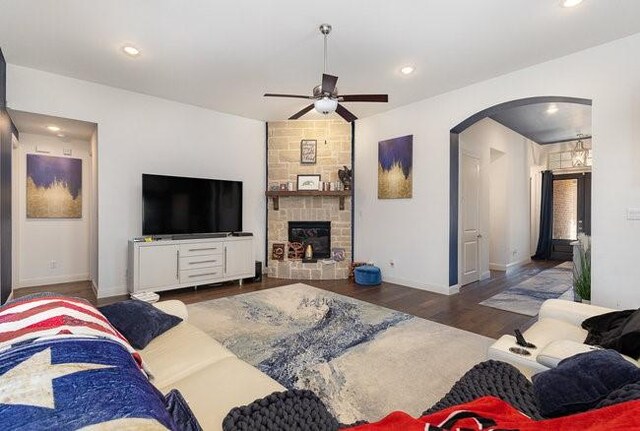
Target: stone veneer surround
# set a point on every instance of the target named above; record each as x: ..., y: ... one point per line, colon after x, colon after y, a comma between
x: 333, y: 151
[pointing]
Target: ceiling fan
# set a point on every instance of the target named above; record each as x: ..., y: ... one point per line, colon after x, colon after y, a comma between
x: 325, y: 96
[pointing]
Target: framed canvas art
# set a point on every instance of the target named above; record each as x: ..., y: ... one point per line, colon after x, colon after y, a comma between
x: 395, y: 168
x: 308, y: 182
x: 54, y: 187
x: 308, y: 151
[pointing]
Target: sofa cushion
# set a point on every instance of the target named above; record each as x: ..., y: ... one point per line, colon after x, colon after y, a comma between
x: 213, y: 391
x: 179, y: 352
x: 544, y: 331
x: 580, y: 382
x: 139, y: 321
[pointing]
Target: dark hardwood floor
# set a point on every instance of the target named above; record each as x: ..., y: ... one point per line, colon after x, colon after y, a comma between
x: 461, y: 311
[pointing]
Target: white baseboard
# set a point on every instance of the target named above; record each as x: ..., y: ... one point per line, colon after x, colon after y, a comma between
x: 94, y: 288
x: 509, y: 266
x: 57, y: 279
x: 445, y: 290
x: 485, y: 275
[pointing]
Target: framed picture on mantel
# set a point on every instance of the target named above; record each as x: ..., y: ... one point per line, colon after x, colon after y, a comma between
x: 308, y: 182
x: 308, y: 151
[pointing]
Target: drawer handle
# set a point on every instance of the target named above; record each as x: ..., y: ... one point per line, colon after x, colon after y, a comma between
x: 202, y: 261
x: 203, y: 249
x: 202, y: 275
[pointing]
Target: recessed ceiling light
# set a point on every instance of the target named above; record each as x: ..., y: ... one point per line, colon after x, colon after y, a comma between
x: 570, y: 3
x: 552, y: 109
x: 131, y: 50
x: 407, y: 70
x: 61, y: 135
x: 53, y: 128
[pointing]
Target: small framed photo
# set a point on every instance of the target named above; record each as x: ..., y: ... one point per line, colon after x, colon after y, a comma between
x: 308, y: 151
x: 308, y: 182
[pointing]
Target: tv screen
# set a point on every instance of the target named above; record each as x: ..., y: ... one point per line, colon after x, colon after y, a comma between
x: 179, y: 205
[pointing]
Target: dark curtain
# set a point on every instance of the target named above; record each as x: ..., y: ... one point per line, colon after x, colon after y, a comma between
x: 543, y: 251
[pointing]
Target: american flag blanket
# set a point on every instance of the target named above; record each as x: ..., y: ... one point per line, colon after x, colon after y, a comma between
x: 56, y: 316
x: 64, y: 367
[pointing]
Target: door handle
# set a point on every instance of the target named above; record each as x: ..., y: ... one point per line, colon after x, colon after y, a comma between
x: 479, y: 236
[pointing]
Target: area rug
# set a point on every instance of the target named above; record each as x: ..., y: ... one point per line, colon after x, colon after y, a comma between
x: 527, y: 297
x: 362, y: 360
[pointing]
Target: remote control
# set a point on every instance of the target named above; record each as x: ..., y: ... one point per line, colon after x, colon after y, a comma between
x: 521, y: 341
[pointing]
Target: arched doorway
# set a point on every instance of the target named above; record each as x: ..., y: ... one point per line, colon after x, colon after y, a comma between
x: 454, y: 163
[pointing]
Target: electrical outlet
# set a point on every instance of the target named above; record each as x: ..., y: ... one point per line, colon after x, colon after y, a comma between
x: 53, y: 264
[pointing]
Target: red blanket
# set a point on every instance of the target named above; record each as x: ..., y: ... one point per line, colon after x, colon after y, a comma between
x: 624, y: 416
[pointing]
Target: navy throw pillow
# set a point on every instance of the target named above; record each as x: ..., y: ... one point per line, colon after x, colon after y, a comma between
x: 180, y: 412
x: 581, y: 382
x: 138, y: 321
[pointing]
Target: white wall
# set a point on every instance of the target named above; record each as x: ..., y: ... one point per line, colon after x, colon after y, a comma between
x: 41, y: 241
x: 138, y: 134
x: 415, y: 232
x: 93, y: 213
x: 504, y: 193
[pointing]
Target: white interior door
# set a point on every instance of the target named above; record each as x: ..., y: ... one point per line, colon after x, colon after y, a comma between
x: 470, y: 219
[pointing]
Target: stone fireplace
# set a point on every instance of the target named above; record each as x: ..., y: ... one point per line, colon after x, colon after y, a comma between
x: 314, y: 233
x: 315, y: 219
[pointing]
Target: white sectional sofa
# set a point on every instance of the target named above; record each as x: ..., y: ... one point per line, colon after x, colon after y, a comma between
x: 557, y: 335
x: 211, y: 378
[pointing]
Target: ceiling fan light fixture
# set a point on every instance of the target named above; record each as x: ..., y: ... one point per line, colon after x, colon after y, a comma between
x: 326, y: 105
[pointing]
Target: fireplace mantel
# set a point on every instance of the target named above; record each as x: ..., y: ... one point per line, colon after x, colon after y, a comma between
x: 277, y: 194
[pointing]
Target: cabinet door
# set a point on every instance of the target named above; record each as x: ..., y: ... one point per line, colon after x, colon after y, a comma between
x: 239, y: 258
x: 158, y: 266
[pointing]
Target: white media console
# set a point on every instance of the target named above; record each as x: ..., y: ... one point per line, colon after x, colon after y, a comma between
x: 172, y: 264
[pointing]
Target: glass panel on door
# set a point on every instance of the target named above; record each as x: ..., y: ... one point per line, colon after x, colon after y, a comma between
x: 565, y: 209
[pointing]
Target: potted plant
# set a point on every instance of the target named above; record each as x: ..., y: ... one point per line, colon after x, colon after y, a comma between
x: 582, y: 269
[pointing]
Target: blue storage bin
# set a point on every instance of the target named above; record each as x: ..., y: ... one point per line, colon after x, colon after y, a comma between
x: 368, y: 275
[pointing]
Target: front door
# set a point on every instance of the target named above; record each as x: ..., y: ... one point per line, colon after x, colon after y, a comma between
x: 571, y: 212
x: 470, y: 214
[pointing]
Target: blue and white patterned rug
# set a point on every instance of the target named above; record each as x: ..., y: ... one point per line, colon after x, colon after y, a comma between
x: 364, y: 361
x: 527, y: 297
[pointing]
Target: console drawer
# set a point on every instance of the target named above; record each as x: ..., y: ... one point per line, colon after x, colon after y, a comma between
x: 201, y: 249
x: 200, y: 262
x: 204, y: 275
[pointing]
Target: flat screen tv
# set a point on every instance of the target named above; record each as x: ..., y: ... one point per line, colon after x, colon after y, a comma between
x: 180, y: 205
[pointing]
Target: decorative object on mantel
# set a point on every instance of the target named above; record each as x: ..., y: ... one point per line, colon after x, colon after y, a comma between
x: 308, y: 182
x: 338, y: 254
x: 346, y: 176
x: 308, y: 151
x: 274, y: 187
x: 582, y: 269
x: 296, y: 250
x: 283, y: 187
x: 395, y: 168
x: 277, y: 251
x: 308, y: 252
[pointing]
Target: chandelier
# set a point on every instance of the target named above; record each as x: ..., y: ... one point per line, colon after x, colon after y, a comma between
x: 579, y: 153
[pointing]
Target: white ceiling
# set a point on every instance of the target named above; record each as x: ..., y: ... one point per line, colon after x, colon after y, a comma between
x: 27, y: 122
x: 225, y: 55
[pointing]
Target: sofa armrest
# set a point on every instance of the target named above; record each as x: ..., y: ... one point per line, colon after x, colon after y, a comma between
x: 173, y: 307
x: 569, y: 311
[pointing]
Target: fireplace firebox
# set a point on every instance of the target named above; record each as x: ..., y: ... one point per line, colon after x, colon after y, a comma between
x: 316, y: 233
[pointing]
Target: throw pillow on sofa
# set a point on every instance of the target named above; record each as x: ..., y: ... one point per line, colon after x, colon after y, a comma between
x: 582, y: 381
x: 138, y: 321
x: 180, y: 412
x: 618, y: 330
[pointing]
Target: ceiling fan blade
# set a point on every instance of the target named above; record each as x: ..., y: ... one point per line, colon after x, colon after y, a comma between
x: 345, y: 113
x: 295, y: 96
x: 329, y: 83
x: 301, y: 113
x: 384, y: 98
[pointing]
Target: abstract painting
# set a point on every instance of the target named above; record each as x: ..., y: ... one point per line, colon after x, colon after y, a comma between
x: 54, y: 187
x: 395, y: 168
